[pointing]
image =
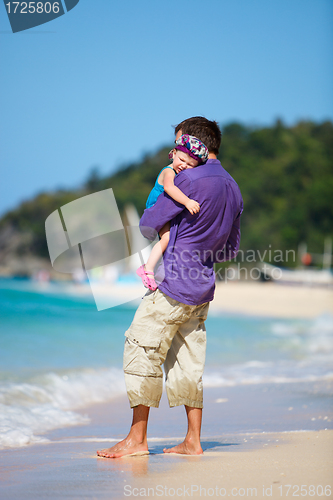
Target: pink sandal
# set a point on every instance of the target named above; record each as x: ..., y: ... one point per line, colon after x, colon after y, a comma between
x: 148, y: 281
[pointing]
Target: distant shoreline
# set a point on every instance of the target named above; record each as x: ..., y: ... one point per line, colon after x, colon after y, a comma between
x: 253, y: 298
x: 272, y: 299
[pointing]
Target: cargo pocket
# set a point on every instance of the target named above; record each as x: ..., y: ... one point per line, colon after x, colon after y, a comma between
x: 179, y: 314
x: 141, y: 353
x: 202, y: 312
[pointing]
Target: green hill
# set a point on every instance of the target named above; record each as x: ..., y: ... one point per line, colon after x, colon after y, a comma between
x: 285, y: 175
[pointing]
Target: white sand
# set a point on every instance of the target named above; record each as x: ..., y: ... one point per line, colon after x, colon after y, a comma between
x: 271, y: 299
x: 279, y: 468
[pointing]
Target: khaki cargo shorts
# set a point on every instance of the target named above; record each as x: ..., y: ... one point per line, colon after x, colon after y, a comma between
x: 167, y: 332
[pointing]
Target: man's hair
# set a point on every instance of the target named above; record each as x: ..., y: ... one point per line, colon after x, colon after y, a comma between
x: 205, y: 130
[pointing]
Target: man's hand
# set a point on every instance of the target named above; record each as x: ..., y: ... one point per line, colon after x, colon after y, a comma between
x: 192, y: 206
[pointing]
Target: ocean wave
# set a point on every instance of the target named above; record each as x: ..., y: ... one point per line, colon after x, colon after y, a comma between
x: 218, y: 380
x: 34, y: 407
x: 30, y: 407
x: 46, y: 402
x: 310, y: 338
x: 277, y: 372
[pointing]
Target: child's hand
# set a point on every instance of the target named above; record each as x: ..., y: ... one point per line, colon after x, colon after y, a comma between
x: 192, y: 206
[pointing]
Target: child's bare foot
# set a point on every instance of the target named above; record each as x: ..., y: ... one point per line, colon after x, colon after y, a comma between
x: 127, y: 447
x: 185, y: 448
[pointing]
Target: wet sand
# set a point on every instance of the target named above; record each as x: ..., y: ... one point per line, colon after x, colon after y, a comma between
x: 242, y: 465
x: 251, y: 439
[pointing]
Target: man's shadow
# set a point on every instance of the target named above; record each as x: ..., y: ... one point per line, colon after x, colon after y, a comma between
x: 206, y: 445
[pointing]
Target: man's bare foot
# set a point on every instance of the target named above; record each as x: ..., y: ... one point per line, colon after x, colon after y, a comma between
x: 185, y: 448
x: 127, y: 447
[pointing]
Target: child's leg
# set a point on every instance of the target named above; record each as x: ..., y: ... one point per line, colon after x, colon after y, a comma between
x: 158, y: 249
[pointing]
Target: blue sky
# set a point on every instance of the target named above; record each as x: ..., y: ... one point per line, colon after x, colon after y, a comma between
x: 103, y: 84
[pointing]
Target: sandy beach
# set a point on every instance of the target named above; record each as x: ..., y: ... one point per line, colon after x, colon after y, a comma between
x: 280, y: 466
x: 276, y: 466
x: 272, y: 299
x: 253, y: 298
x: 243, y: 464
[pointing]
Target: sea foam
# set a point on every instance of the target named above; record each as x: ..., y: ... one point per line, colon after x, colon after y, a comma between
x: 48, y: 402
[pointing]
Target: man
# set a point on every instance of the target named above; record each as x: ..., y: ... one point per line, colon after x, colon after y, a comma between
x: 168, y: 327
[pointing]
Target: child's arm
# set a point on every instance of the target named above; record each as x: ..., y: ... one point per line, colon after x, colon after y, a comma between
x: 176, y: 194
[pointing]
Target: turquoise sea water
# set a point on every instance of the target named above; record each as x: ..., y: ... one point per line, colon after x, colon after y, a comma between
x: 59, y: 354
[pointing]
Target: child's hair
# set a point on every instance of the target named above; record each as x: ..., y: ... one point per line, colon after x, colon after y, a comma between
x: 207, y: 131
x: 193, y: 147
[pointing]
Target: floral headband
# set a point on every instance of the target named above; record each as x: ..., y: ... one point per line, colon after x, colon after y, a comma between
x: 193, y: 147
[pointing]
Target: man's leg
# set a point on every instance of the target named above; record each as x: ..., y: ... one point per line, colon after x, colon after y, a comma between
x: 147, y: 343
x: 184, y: 367
x: 136, y: 441
x: 191, y: 444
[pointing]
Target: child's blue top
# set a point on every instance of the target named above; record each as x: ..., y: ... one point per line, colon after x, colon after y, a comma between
x: 156, y: 191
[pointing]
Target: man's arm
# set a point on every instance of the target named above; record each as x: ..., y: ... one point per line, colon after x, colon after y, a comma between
x: 164, y: 210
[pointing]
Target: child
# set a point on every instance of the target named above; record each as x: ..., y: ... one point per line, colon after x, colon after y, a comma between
x: 188, y: 153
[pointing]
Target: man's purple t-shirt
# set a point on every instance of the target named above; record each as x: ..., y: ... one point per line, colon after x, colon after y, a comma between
x: 196, y: 241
